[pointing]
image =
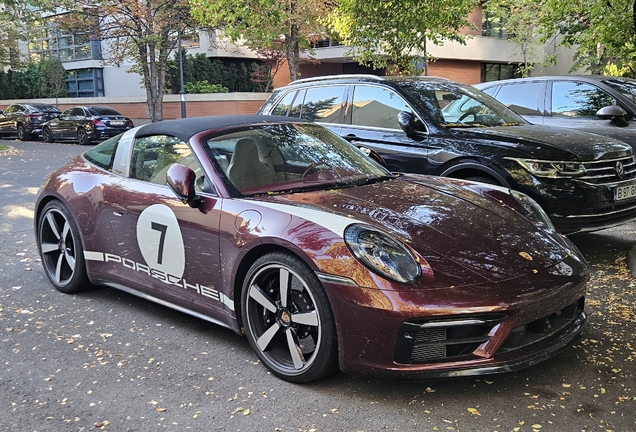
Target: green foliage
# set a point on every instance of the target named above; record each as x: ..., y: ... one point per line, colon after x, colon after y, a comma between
x: 35, y: 81
x: 204, y: 87
x: 53, y: 79
x: 234, y: 75
x: 395, y: 32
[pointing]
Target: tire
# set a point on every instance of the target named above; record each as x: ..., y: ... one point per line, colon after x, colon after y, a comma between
x: 82, y: 137
x: 484, y: 179
x: 22, y: 133
x: 296, y: 346
x: 61, y: 249
x: 47, y: 136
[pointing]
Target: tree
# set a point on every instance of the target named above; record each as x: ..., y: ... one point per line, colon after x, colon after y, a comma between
x: 395, y: 32
x: 601, y: 31
x: 142, y: 31
x: 518, y: 20
x: 53, y: 79
x: 261, y: 24
x: 14, y: 15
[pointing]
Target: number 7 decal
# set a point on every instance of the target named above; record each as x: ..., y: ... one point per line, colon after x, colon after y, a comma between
x: 158, y: 234
x: 162, y: 229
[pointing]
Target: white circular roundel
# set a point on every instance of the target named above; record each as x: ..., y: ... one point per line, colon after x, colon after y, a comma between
x: 160, y: 240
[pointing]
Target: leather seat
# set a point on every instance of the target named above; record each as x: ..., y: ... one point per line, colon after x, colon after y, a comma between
x: 246, y: 169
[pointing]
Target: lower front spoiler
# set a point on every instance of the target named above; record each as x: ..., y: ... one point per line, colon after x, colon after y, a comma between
x: 507, y: 362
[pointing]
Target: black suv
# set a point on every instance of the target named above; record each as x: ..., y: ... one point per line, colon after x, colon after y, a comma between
x: 585, y: 182
x: 591, y: 103
x: 25, y: 119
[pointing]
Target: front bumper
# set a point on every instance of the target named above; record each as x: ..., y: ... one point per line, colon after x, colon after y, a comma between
x: 424, y: 334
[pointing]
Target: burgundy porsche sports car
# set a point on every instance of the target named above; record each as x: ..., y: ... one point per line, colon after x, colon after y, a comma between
x: 284, y: 232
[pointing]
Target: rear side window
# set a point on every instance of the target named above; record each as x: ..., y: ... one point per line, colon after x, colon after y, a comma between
x: 323, y: 104
x: 521, y: 98
x: 103, y: 154
x: 573, y: 99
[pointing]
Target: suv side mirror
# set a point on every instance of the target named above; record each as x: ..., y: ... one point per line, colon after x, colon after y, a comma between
x: 409, y: 123
x: 181, y: 179
x: 613, y: 113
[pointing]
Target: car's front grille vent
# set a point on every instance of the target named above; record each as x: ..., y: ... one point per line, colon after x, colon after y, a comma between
x: 444, y: 340
x: 609, y: 170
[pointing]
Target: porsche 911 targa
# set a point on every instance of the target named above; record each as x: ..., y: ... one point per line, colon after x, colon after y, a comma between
x: 282, y: 231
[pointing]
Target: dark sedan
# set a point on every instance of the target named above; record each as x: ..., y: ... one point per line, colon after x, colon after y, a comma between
x: 85, y: 124
x: 428, y: 125
x: 280, y: 230
x: 591, y: 103
x: 26, y: 119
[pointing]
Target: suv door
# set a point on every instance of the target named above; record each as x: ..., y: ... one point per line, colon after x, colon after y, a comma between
x: 372, y: 122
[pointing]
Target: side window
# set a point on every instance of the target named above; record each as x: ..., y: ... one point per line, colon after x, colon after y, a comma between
x: 10, y: 109
x: 67, y: 113
x: 323, y: 104
x: 103, y: 154
x: 521, y: 98
x: 572, y: 99
x: 283, y: 106
x: 377, y: 107
x: 298, y: 104
x: 152, y: 156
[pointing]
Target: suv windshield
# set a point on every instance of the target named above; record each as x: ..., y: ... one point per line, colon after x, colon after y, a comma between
x: 624, y: 86
x: 289, y: 158
x: 454, y: 105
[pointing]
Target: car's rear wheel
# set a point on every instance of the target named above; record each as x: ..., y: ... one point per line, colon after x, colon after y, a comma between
x: 61, y: 249
x: 47, y: 136
x: 288, y: 320
x: 22, y: 133
x: 82, y: 137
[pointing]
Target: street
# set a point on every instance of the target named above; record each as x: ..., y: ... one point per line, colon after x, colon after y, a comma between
x: 106, y: 360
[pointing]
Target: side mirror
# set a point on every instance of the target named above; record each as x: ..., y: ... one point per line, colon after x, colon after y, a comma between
x: 613, y: 113
x: 181, y: 180
x: 409, y: 123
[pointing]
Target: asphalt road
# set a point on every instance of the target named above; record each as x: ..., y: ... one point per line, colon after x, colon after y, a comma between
x: 105, y: 360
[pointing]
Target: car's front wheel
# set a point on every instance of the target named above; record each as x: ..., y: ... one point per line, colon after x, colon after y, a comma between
x: 47, y: 136
x: 61, y: 249
x: 288, y: 320
x: 23, y: 135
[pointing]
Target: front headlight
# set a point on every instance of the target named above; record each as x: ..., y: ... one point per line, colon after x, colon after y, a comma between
x: 533, y: 208
x: 551, y: 169
x: 382, y: 254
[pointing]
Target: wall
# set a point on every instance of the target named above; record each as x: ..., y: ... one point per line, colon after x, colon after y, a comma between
x: 197, y: 105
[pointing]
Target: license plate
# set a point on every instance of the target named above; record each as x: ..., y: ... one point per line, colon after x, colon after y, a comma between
x: 116, y: 123
x: 625, y: 192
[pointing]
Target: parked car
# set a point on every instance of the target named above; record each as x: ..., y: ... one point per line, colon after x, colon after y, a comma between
x: 425, y: 125
x: 85, y: 124
x: 26, y: 119
x: 599, y: 104
x: 284, y: 232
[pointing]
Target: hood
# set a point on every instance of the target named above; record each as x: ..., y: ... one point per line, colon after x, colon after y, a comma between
x: 570, y: 143
x: 461, y: 232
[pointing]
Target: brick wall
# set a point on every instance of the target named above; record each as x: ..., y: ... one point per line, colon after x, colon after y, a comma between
x: 463, y: 71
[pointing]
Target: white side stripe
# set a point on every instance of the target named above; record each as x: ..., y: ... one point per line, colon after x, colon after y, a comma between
x: 93, y: 256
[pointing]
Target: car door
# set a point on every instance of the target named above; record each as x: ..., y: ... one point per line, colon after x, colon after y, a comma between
x: 372, y: 122
x: 59, y: 126
x: 6, y: 120
x: 168, y: 249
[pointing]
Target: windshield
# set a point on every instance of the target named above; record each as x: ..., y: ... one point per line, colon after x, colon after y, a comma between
x: 455, y: 105
x: 625, y: 86
x: 288, y: 158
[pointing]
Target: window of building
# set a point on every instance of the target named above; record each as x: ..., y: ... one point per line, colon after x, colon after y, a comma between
x: 492, y: 26
x: 499, y: 71
x: 85, y: 83
x: 50, y: 41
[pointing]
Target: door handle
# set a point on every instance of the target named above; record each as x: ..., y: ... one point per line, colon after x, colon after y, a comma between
x: 118, y: 210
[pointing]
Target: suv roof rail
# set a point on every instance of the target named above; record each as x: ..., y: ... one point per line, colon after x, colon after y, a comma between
x: 343, y: 76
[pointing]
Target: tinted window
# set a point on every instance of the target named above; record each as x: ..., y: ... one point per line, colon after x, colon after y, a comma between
x: 102, y: 111
x: 376, y: 107
x: 323, y: 104
x: 103, y: 154
x: 574, y: 99
x: 521, y: 98
x: 283, y: 106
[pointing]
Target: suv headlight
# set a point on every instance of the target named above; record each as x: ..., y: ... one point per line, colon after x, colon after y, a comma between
x: 382, y: 254
x: 533, y: 208
x: 551, y: 169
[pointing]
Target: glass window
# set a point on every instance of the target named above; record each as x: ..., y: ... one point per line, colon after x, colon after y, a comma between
x: 522, y: 98
x: 298, y: 104
x: 499, y: 71
x: 323, y: 104
x: 283, y: 106
x: 493, y: 26
x: 377, y: 107
x: 572, y: 99
x: 103, y: 154
x: 152, y: 156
